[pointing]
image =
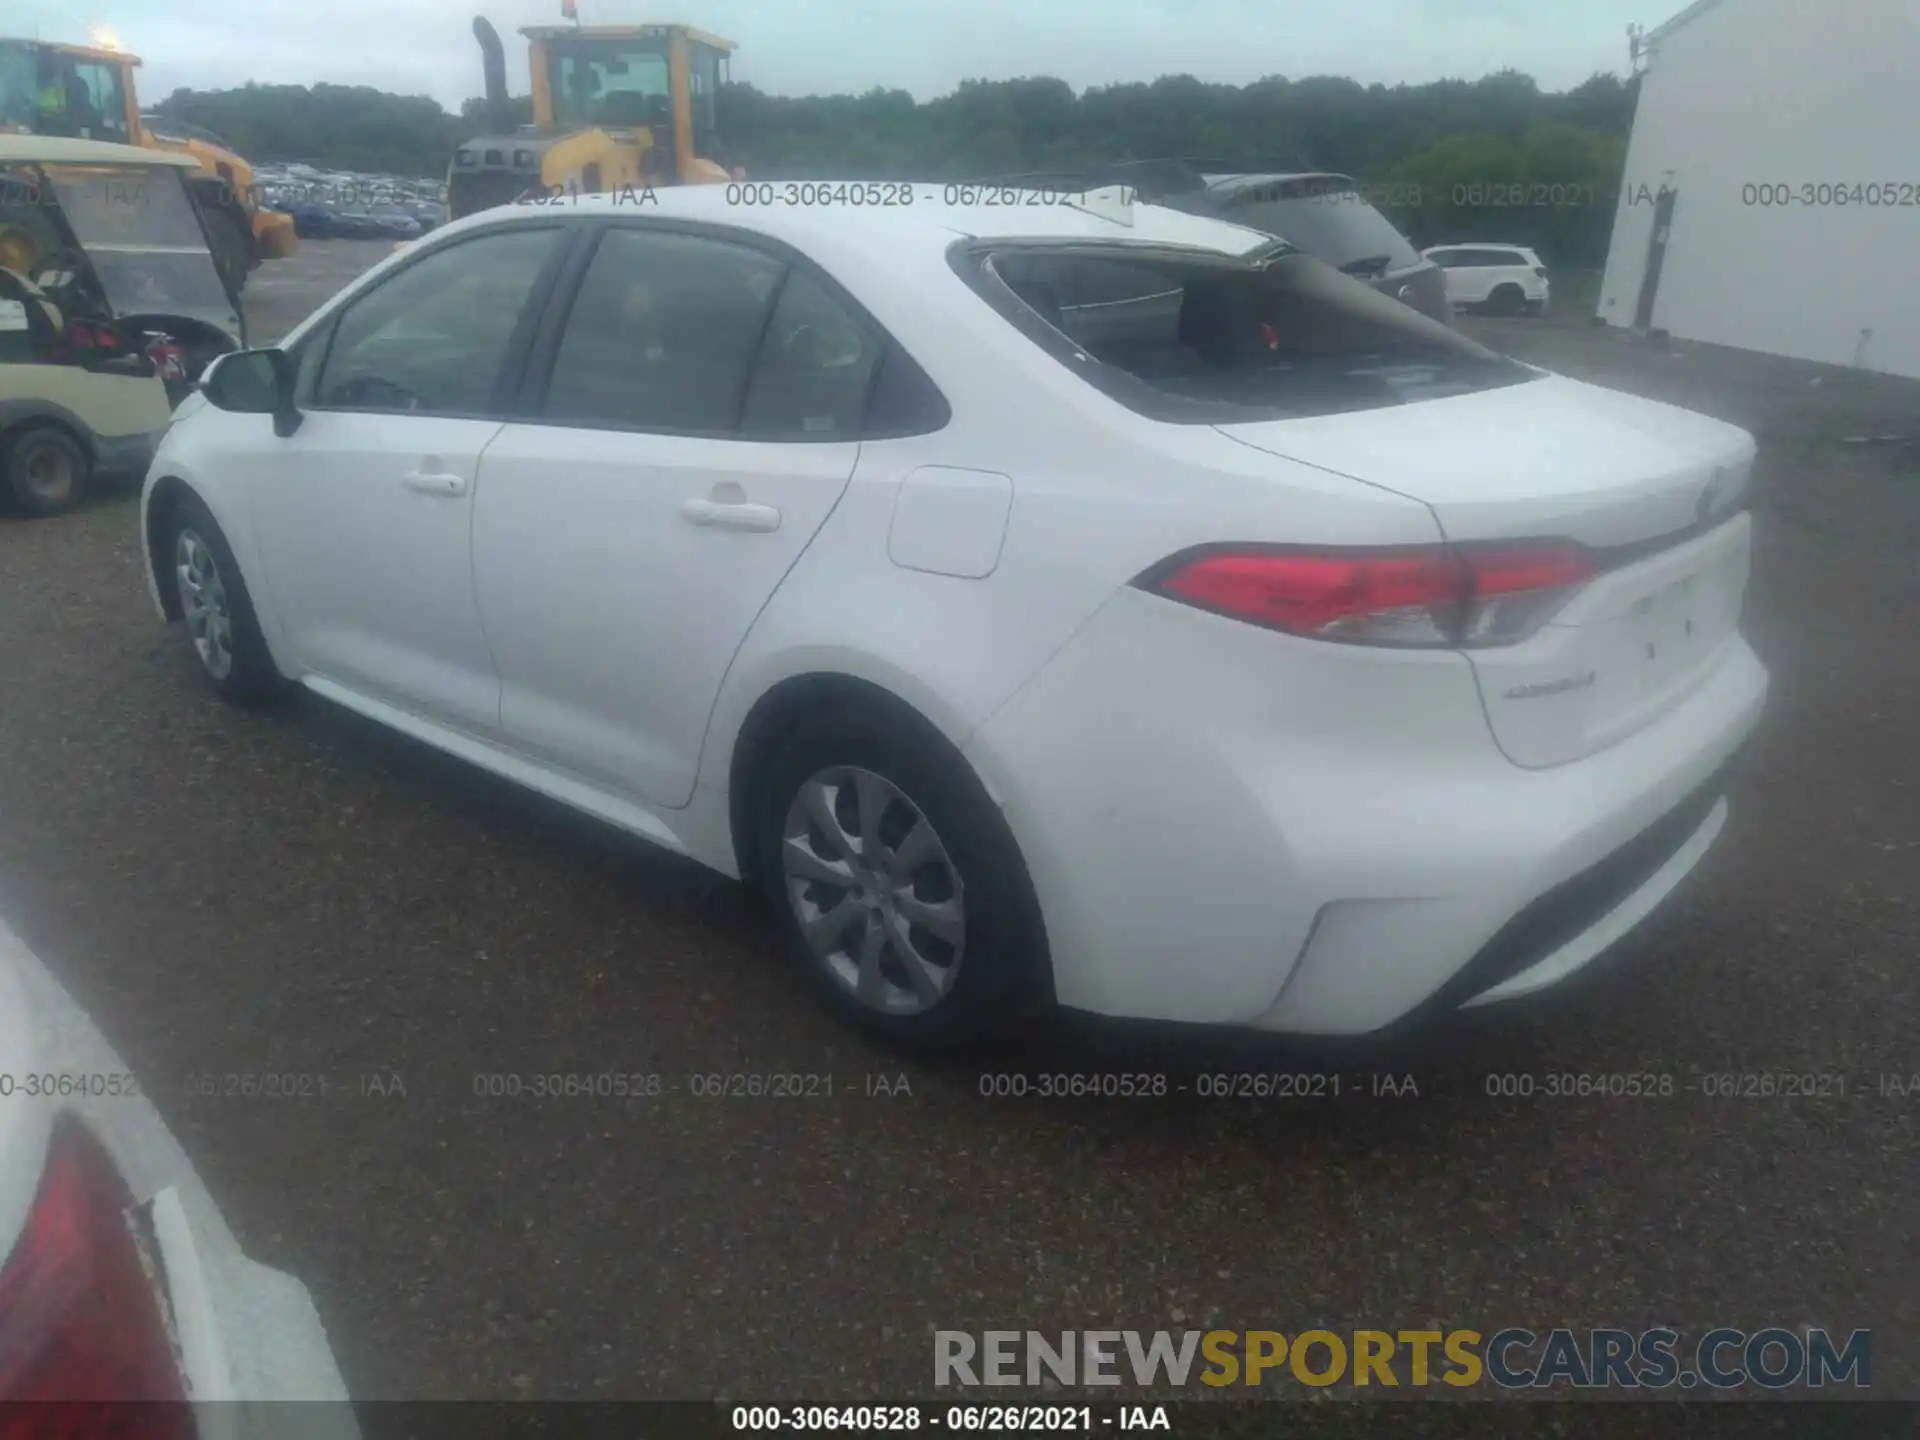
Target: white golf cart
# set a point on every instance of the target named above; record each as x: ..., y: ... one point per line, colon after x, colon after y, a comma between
x: 110, y: 307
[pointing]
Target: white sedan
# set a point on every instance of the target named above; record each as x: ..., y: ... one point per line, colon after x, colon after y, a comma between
x: 119, y: 1281
x: 1084, y: 603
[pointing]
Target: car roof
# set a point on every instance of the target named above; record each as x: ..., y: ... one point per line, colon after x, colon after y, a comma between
x: 928, y: 222
x: 1480, y: 245
x: 54, y: 150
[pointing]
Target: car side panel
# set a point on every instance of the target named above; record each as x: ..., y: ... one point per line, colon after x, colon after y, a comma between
x: 1092, y: 505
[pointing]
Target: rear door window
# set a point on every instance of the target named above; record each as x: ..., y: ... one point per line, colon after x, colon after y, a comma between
x: 814, y: 371
x: 1208, y: 340
x: 663, y: 333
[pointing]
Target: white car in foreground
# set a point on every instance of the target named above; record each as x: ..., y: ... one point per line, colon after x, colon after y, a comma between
x: 119, y: 1281
x: 1089, y: 603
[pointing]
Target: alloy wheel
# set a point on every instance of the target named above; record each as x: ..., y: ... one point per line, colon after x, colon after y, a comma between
x: 877, y: 897
x: 203, y: 601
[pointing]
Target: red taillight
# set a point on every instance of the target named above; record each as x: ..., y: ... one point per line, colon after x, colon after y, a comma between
x: 1308, y: 594
x: 1541, y: 271
x: 1507, y: 572
x: 1437, y: 596
x: 81, y: 1332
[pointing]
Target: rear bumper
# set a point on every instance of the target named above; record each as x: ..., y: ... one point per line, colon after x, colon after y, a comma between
x: 1311, y: 838
x: 1574, y: 923
x: 246, y: 1333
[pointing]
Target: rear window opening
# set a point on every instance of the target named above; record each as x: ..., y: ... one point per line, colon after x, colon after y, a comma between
x: 1198, y: 338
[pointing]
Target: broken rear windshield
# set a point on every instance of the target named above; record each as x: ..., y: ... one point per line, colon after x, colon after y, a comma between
x: 1197, y: 338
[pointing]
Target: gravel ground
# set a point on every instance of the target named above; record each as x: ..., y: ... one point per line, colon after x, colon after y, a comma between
x: 299, y: 894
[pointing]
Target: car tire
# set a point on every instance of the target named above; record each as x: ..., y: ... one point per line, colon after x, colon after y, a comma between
x: 943, y: 849
x: 1506, y: 300
x: 217, y: 608
x: 44, y: 469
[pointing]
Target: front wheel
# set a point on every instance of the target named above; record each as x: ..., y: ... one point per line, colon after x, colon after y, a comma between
x: 898, y: 885
x: 217, y: 608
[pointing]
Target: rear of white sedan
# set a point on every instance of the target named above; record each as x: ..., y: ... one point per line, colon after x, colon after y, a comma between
x: 120, y: 1284
x: 1441, y: 713
x: 1041, y: 598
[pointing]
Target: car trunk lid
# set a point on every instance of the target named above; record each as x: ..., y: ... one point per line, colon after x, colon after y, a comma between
x: 1656, y: 496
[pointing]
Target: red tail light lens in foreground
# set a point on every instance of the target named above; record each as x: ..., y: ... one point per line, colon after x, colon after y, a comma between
x: 81, y: 1331
x: 1438, y: 597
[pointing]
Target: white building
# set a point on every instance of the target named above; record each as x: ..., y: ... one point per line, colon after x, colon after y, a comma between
x: 1787, y: 135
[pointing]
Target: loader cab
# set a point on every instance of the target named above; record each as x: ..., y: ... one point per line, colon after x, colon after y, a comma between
x: 73, y: 91
x: 660, y: 82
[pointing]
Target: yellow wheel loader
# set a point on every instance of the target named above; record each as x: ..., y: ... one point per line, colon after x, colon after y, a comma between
x: 613, y: 106
x: 86, y: 92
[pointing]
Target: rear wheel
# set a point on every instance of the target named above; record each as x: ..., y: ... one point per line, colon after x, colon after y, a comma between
x: 1506, y: 300
x: 897, y: 883
x: 45, y: 469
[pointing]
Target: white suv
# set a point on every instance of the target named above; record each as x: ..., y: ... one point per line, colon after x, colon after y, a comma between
x: 1501, y: 279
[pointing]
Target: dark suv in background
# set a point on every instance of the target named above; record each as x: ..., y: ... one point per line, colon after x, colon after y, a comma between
x: 1322, y: 213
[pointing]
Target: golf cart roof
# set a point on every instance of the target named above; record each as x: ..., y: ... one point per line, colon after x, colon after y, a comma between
x: 53, y: 150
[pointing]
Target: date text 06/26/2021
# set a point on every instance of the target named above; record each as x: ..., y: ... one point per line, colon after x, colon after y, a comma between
x: 839, y: 194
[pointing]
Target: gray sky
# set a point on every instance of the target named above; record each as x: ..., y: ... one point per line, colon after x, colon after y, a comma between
x: 822, y: 46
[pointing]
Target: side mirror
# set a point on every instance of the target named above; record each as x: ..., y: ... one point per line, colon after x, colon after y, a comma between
x: 253, y: 382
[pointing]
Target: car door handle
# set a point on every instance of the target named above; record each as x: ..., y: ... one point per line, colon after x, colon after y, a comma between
x: 436, y: 482
x: 731, y: 515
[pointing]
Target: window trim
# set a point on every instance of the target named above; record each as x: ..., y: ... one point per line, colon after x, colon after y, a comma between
x: 513, y: 362
x: 530, y: 396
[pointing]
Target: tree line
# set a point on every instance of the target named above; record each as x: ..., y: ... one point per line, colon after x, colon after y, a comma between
x: 1492, y: 159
